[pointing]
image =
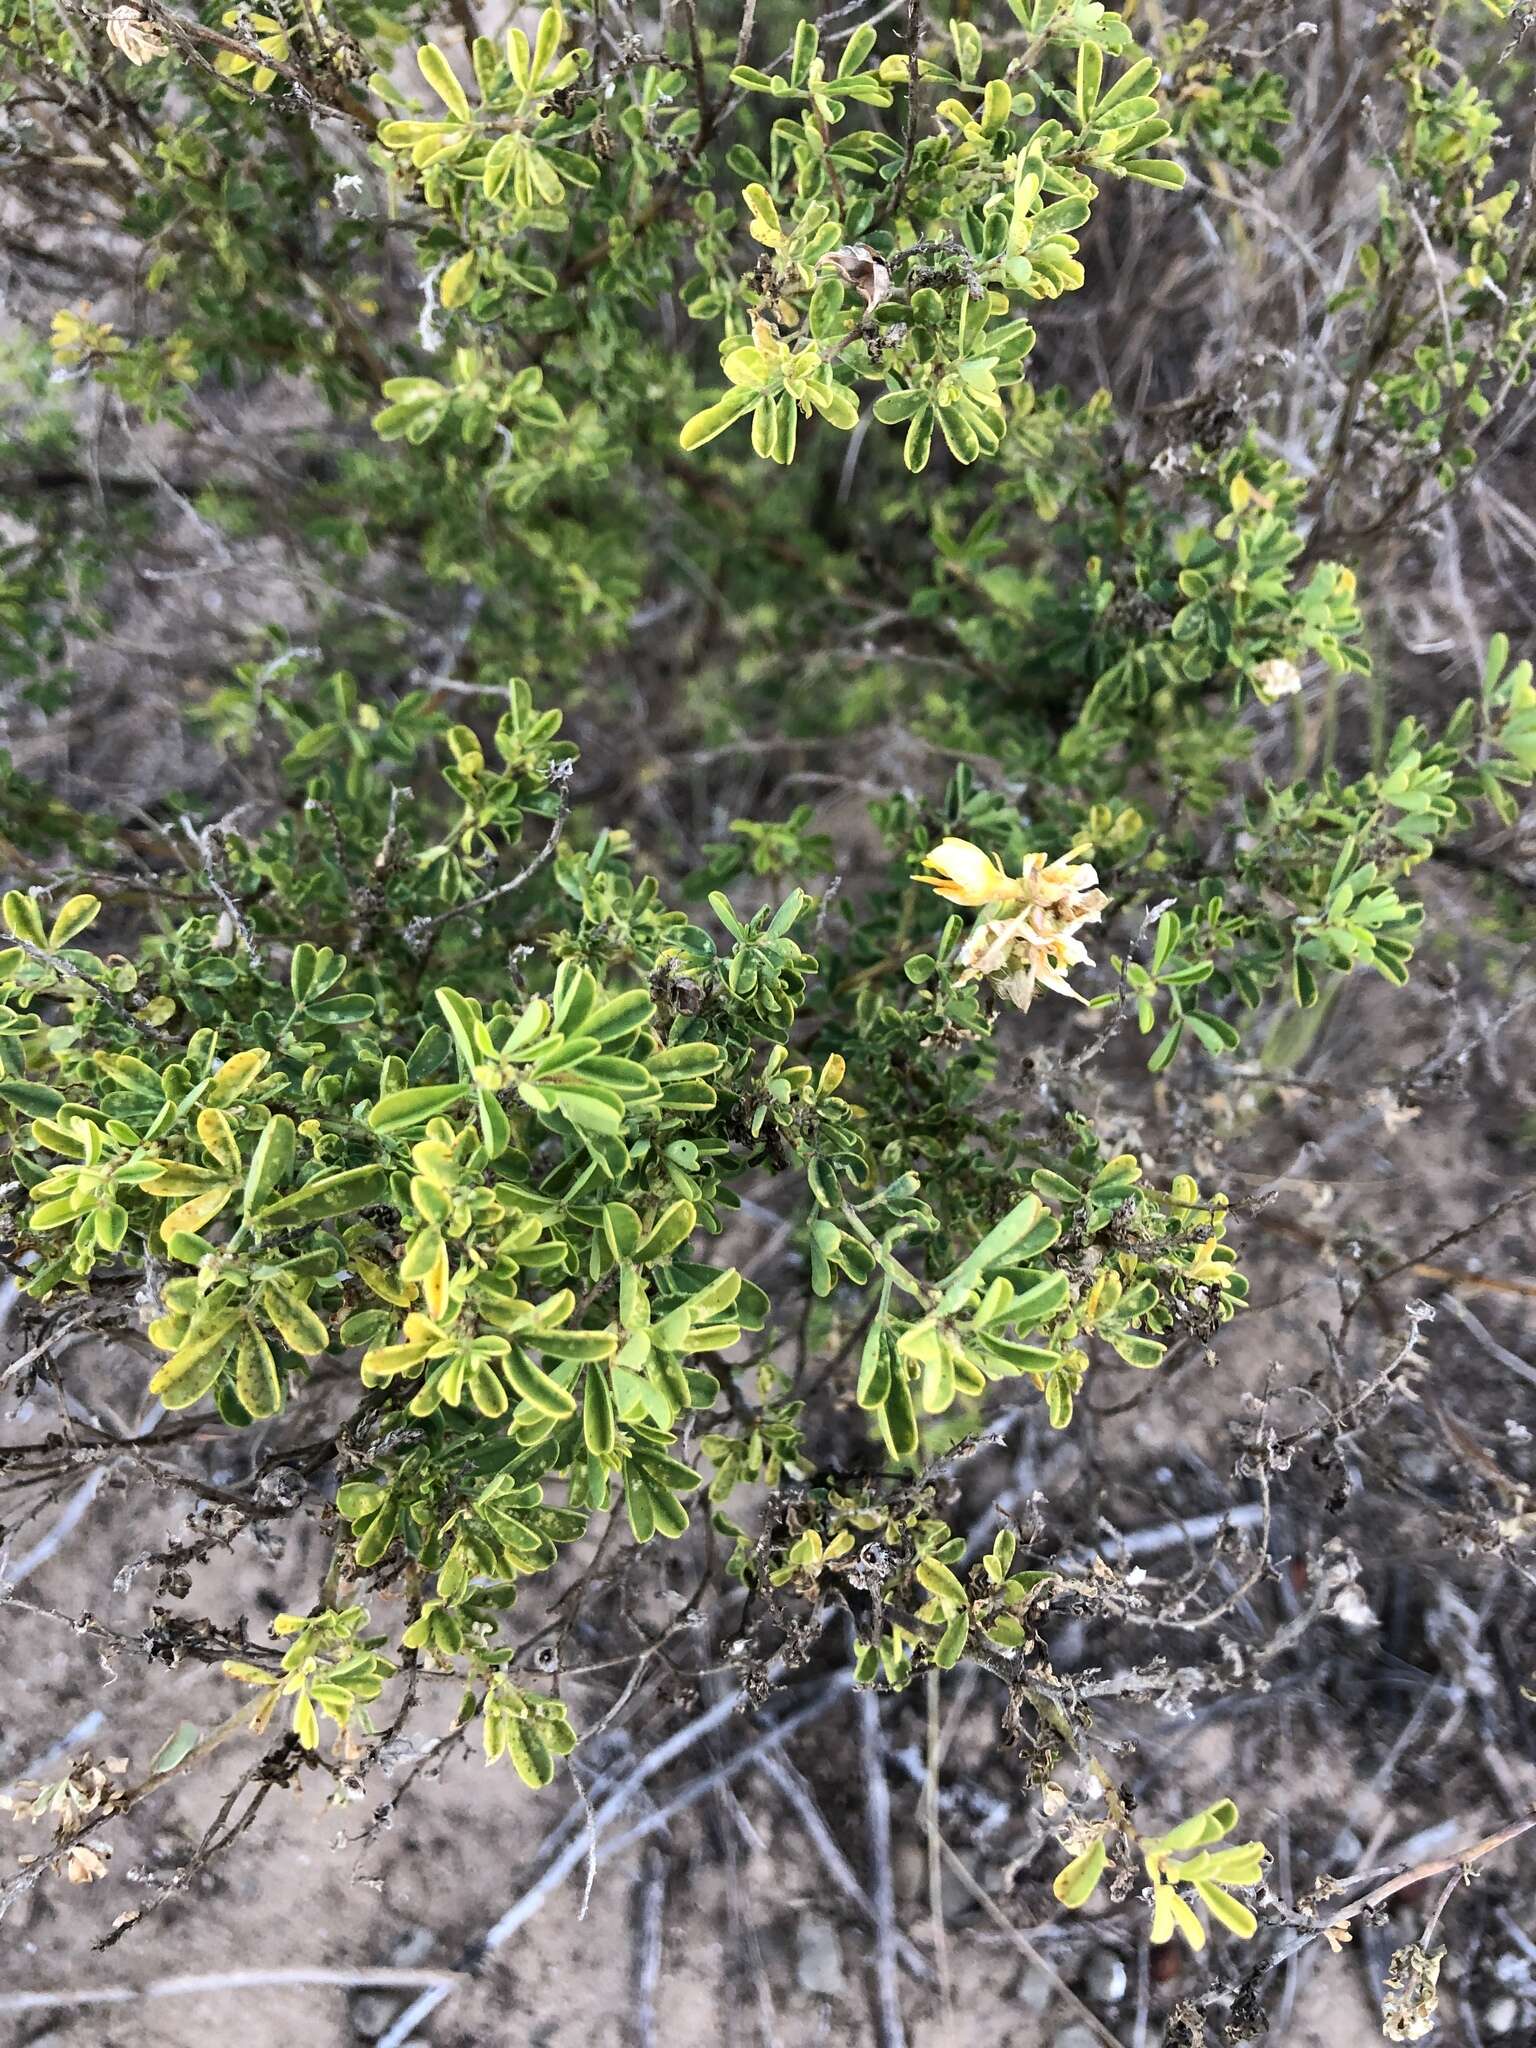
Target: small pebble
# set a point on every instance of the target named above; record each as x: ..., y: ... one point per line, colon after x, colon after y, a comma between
x: 1034, y: 1992
x: 412, y: 1946
x: 1503, y: 2016
x: 371, y: 2013
x: 1077, y: 2036
x: 1105, y: 1979
x: 818, y: 1958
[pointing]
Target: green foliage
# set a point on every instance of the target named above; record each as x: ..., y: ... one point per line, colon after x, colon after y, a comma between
x: 766, y: 850
x: 1220, y: 104
x: 330, y: 1667
x: 408, y: 1086
x: 1182, y: 1859
x: 933, y: 252
x: 1024, y: 1301
x: 492, y: 1202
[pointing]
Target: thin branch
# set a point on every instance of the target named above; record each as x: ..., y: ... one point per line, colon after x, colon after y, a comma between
x: 914, y: 38
x: 1027, y: 1949
x: 220, y: 1981
x: 210, y: 850
x: 1457, y: 1860
x: 554, y: 1875
x: 744, y: 37
x: 877, y: 1809
x: 102, y: 995
x: 792, y: 1789
x: 1495, y: 1350
x: 421, y: 931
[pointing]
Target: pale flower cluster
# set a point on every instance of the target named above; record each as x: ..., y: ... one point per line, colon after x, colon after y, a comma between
x: 1030, y: 941
x: 139, y: 40
x: 1275, y: 679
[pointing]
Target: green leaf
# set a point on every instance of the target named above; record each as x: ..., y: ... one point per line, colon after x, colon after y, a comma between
x: 457, y: 281
x: 495, y: 1124
x: 1047, y: 1297
x: 948, y: 1649
x: 895, y: 406
x: 1134, y: 83
x: 257, y: 1386
x: 462, y: 1016
x: 1090, y: 70
x: 688, y: 1062
x: 1154, y: 170
x: 238, y: 1075
x: 176, y: 1749
x: 528, y: 1756
x: 898, y: 1418
x: 940, y: 1581
x: 23, y: 918
x: 993, y: 1249
x: 996, y: 105
x: 1166, y: 1047
x: 807, y: 38
x: 438, y: 73
x: 31, y: 1097
x: 295, y: 1322
x: 1231, y: 1913
x: 536, y: 1387
x: 190, y: 1371
x: 587, y: 1105
x: 857, y: 49
x: 306, y: 1724
x: 875, y: 1368
x: 714, y: 419
x: 1142, y: 1352
x: 622, y: 1228
x: 919, y: 438
x: 577, y: 1344
x: 599, y: 1427
x: 671, y: 1229
x: 72, y: 918
x: 616, y: 1021
x: 1209, y: 1825
x: 547, y: 42
x: 332, y: 1194
x: 270, y: 1163
x: 959, y: 434
x: 405, y: 1108
x: 1075, y: 1885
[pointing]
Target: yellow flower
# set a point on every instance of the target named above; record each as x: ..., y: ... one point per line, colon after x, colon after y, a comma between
x: 1032, y: 946
x: 965, y: 874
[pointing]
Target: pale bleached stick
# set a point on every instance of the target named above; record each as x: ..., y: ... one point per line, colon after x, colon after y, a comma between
x: 877, y: 1808
x: 834, y: 1862
x: 222, y: 1980
x: 539, y: 1893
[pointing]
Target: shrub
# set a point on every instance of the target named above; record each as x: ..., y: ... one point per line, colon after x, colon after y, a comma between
x: 405, y: 1109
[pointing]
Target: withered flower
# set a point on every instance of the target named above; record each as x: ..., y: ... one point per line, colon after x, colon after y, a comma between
x: 859, y: 266
x: 135, y: 36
